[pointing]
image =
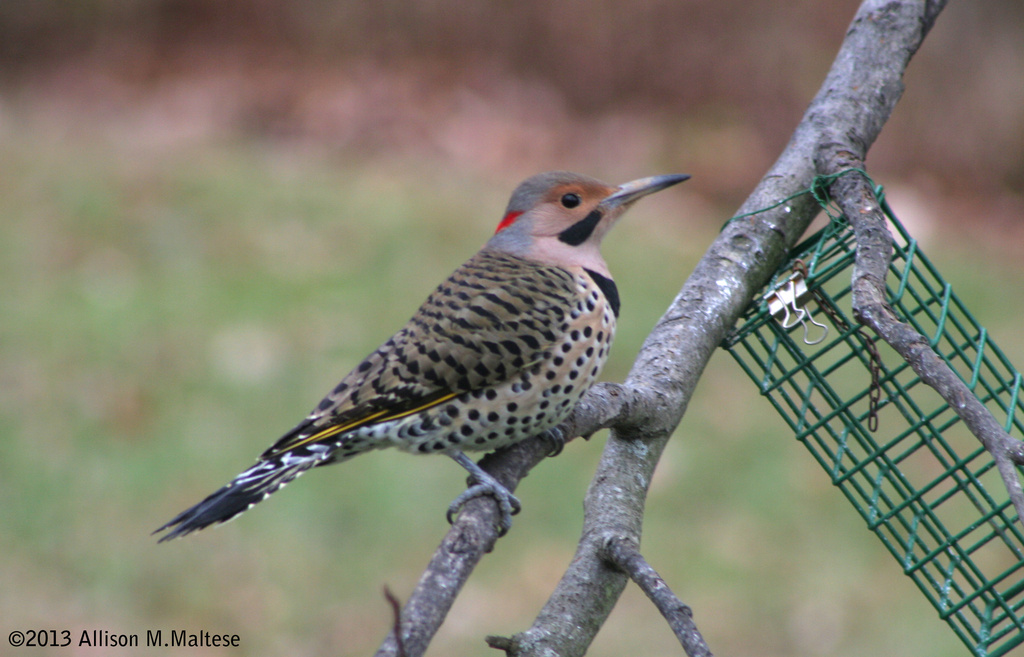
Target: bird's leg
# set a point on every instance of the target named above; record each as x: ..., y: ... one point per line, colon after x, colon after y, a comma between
x: 485, y: 485
x: 555, y: 439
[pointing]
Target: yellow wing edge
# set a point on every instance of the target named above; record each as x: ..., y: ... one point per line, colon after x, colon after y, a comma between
x: 379, y: 416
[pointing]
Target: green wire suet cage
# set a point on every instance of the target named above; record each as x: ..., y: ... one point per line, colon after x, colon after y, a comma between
x: 924, y: 485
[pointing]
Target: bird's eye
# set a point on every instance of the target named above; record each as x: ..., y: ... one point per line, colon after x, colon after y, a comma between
x: 571, y: 200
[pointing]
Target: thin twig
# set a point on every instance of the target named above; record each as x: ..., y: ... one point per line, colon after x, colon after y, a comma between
x: 396, y: 622
x: 625, y: 555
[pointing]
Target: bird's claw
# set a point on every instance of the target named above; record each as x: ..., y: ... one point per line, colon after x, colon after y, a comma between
x: 507, y: 502
x: 482, y: 483
x: 555, y: 439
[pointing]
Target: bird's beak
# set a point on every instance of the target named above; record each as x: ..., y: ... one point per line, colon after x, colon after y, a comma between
x: 636, y: 189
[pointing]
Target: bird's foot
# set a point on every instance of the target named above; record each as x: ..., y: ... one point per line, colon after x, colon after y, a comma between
x: 555, y: 438
x: 485, y: 484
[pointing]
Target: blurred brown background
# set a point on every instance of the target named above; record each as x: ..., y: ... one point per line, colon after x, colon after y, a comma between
x: 210, y: 210
x: 512, y: 85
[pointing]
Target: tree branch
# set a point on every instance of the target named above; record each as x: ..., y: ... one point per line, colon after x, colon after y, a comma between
x: 625, y: 555
x: 856, y: 199
x: 856, y: 99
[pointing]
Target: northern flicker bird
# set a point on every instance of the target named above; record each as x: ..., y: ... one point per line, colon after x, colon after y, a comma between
x: 500, y: 351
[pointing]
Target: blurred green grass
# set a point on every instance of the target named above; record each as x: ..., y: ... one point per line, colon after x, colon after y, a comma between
x: 166, y: 315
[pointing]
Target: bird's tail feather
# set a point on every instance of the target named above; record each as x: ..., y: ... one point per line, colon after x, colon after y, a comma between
x: 245, y: 491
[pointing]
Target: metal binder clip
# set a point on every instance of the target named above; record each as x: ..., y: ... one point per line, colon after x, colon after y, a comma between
x: 787, y: 304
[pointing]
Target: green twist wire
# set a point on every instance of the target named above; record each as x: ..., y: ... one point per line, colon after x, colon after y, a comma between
x: 819, y: 190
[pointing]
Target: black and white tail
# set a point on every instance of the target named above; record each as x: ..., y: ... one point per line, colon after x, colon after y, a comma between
x: 246, y: 490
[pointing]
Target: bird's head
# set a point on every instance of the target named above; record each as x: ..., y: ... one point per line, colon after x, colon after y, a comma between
x: 560, y: 218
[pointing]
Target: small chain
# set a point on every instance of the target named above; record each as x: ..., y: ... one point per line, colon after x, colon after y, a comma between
x: 875, y: 391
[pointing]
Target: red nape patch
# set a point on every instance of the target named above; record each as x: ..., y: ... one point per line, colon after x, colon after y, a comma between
x: 507, y: 221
